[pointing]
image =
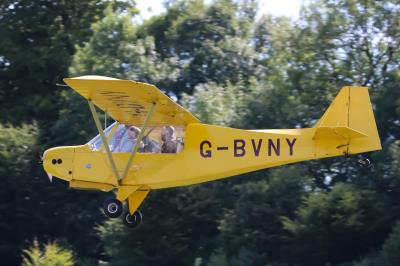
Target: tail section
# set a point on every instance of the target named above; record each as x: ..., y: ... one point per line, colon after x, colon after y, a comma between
x: 350, y: 117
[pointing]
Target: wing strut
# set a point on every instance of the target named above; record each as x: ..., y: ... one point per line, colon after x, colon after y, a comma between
x: 103, y: 138
x: 138, y: 140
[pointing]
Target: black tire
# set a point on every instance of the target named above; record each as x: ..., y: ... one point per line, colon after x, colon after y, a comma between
x: 113, y: 208
x: 134, y: 220
x: 365, y: 162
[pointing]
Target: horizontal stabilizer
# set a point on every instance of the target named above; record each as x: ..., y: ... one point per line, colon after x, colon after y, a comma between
x: 337, y: 133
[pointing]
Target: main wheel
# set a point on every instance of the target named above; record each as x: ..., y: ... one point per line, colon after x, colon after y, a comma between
x: 134, y: 220
x: 112, y: 208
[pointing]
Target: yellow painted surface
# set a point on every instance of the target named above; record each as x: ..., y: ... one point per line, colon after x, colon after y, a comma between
x: 77, y: 184
x: 213, y: 152
x: 125, y: 191
x: 128, y: 101
x: 135, y: 199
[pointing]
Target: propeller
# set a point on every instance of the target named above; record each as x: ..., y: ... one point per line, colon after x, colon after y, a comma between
x: 39, y: 158
x: 38, y: 154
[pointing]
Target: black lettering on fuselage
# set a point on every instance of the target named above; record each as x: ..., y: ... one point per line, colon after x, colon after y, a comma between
x: 276, y: 148
x: 291, y: 144
x: 273, y: 147
x: 205, y: 153
x: 238, y: 147
x: 257, y: 148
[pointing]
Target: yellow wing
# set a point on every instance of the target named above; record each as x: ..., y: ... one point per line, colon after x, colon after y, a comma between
x: 128, y: 101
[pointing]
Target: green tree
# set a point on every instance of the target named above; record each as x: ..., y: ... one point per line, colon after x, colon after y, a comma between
x: 342, y: 223
x: 388, y: 255
x: 342, y: 42
x: 38, y: 41
x: 32, y: 207
x: 252, y: 231
x: 212, y: 43
x: 220, y: 105
x: 50, y: 255
x: 391, y: 247
x: 16, y: 167
x: 192, y: 43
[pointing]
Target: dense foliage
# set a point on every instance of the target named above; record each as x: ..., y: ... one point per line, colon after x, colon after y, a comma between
x: 229, y: 67
x: 50, y: 255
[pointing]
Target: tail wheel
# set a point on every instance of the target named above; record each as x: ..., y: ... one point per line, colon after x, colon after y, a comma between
x: 365, y: 162
x: 134, y: 220
x: 112, y: 208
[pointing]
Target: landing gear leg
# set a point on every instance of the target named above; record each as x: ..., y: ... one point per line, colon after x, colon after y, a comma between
x: 112, y: 208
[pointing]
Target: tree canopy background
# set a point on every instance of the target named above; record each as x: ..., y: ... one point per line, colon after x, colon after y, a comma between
x: 229, y: 67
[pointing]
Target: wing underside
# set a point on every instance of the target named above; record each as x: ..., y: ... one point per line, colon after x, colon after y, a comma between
x: 128, y: 101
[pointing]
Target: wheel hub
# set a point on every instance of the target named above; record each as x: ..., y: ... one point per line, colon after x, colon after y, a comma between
x: 112, y: 207
x: 130, y: 218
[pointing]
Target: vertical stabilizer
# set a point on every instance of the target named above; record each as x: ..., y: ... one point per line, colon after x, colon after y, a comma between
x: 350, y: 117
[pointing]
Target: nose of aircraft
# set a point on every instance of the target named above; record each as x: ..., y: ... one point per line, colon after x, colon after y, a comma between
x: 58, y: 162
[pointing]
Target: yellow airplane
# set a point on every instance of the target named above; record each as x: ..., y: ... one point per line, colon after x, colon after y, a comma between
x: 155, y: 143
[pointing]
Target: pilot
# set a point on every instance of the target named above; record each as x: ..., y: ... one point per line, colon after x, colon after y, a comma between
x: 120, y: 134
x: 128, y: 143
x: 167, y: 137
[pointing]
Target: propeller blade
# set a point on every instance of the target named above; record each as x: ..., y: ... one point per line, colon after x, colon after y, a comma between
x: 40, y: 160
x: 50, y: 177
x: 37, y: 153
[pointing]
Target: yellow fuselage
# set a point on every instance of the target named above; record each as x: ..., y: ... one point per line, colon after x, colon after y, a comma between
x: 210, y: 153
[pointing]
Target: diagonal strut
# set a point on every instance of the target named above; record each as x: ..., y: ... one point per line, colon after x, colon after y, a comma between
x: 104, y: 139
x: 138, y: 140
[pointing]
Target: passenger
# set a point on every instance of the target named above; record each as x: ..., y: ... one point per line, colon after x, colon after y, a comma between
x: 167, y: 137
x: 128, y: 143
x: 150, y: 145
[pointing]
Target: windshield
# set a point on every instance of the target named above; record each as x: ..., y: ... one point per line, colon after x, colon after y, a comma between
x: 96, y: 143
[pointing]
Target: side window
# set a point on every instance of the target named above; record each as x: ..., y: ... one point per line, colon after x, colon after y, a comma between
x: 164, y: 139
x: 157, y: 139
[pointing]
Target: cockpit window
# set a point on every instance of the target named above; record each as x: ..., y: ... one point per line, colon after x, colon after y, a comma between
x: 96, y: 143
x: 159, y: 139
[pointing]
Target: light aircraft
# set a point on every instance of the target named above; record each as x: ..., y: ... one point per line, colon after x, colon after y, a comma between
x: 132, y: 157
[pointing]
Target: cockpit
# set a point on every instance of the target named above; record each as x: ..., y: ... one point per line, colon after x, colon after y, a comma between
x: 122, y: 138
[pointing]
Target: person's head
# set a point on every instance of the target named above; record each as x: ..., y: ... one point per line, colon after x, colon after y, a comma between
x: 133, y: 132
x: 167, y: 133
